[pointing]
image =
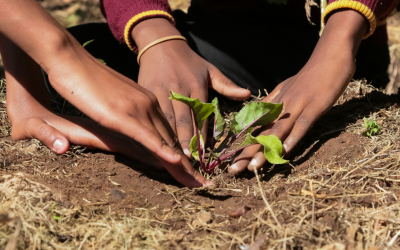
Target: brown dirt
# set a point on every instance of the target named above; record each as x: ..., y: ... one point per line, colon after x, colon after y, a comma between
x: 99, y: 183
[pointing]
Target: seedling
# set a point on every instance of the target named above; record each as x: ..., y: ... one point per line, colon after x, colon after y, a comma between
x: 371, y: 128
x: 251, y: 115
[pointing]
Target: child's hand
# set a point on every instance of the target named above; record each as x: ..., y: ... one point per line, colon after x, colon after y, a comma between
x: 29, y: 105
x: 110, y: 99
x: 315, y: 89
x: 120, y: 105
x: 173, y: 65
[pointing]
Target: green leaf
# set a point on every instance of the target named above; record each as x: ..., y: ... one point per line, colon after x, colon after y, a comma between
x: 56, y: 217
x: 193, y: 147
x: 102, y: 61
x: 255, y: 114
x: 272, y: 148
x: 52, y: 207
x: 201, y: 110
x: 219, y: 121
x: 248, y: 141
x: 371, y: 127
x: 87, y: 43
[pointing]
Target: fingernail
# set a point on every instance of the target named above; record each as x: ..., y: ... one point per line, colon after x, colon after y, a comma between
x: 57, y: 145
x: 208, y: 183
x: 187, y: 152
x: 254, y: 162
x: 234, y: 167
x: 284, y: 149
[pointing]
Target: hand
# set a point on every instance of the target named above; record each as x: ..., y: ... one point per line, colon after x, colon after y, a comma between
x: 29, y: 105
x: 315, y: 89
x: 110, y: 99
x: 173, y: 65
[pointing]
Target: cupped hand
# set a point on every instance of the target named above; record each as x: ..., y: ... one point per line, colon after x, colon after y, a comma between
x: 173, y: 65
x: 315, y: 89
x: 117, y: 103
x: 306, y: 97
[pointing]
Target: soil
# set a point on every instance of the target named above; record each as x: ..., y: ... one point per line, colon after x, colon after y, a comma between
x: 106, y: 181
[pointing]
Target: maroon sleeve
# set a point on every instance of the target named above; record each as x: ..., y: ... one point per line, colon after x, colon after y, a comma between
x: 372, y: 10
x: 124, y: 15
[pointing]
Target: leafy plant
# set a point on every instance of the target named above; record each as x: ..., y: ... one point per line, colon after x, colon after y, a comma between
x: 251, y: 115
x: 56, y: 216
x: 371, y: 128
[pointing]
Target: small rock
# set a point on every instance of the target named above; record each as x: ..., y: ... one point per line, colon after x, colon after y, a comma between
x: 33, y: 148
x: 237, y: 213
x: 116, y: 194
x: 203, y: 218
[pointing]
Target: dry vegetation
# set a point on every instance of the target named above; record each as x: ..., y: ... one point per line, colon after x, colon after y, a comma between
x: 341, y: 192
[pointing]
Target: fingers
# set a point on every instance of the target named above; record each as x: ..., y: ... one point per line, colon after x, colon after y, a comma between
x: 184, y: 125
x: 186, y: 174
x: 48, y: 135
x: 226, y: 87
x: 86, y: 133
x: 244, y: 159
x: 160, y: 140
x: 253, y: 157
x: 274, y: 93
x: 301, y: 127
x: 167, y: 108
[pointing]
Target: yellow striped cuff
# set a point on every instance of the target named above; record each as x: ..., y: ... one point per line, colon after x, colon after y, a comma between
x: 357, y: 6
x: 133, y: 21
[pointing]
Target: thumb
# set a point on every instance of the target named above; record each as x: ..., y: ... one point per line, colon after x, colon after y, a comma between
x: 226, y: 87
x: 48, y: 135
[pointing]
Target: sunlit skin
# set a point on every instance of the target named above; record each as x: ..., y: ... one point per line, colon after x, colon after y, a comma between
x: 181, y: 70
x: 306, y: 96
x: 132, y: 121
x: 113, y: 101
x: 314, y: 90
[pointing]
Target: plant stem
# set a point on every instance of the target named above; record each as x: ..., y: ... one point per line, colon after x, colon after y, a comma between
x: 201, y: 156
x: 220, y: 160
x: 211, y: 152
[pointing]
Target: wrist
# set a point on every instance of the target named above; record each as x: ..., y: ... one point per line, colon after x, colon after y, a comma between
x: 150, y: 30
x: 344, y: 31
x: 61, y: 47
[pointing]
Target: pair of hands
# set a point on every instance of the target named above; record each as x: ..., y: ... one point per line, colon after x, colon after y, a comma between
x: 306, y: 96
x: 133, y: 111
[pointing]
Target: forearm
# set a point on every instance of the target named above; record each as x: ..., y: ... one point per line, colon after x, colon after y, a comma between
x: 25, y: 85
x: 342, y: 36
x: 32, y: 29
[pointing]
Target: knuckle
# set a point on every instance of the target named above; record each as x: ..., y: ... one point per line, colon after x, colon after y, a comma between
x: 275, y: 128
x: 184, y: 121
x: 161, y: 86
x: 170, y: 117
x: 44, y: 131
x: 184, y: 141
x: 304, y: 121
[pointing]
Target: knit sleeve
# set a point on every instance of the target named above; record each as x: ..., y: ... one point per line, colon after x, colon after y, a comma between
x: 372, y: 10
x: 124, y: 15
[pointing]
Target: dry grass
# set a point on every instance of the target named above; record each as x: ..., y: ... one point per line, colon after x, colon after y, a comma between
x: 31, y: 218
